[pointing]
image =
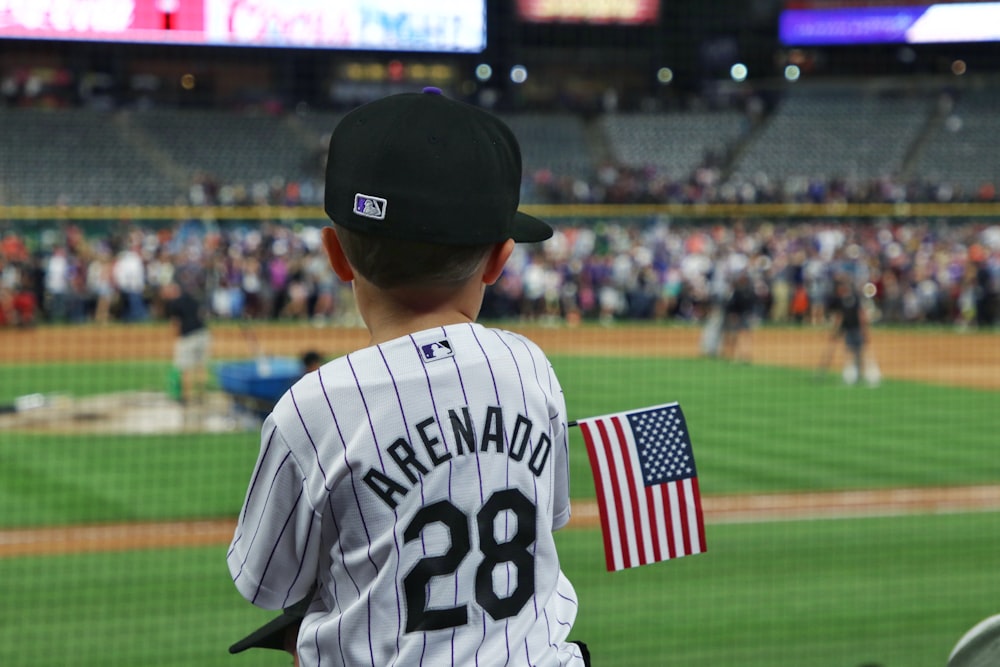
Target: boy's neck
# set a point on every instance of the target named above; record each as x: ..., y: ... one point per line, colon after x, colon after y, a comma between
x: 391, y: 314
x: 385, y: 331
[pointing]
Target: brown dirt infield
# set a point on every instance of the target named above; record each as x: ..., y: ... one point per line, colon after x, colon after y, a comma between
x: 954, y: 359
x: 970, y: 359
x: 717, y: 509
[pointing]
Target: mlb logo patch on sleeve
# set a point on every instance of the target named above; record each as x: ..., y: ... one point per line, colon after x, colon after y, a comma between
x: 369, y: 206
x: 435, y: 350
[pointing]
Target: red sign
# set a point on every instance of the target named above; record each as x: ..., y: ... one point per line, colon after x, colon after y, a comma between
x: 117, y: 20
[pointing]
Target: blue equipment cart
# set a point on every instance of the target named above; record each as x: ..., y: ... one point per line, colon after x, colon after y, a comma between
x: 256, y: 385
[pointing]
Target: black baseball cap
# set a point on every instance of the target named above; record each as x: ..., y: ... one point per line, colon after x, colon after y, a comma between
x: 272, y: 634
x: 423, y: 167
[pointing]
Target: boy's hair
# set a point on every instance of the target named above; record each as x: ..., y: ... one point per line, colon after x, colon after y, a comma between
x: 389, y: 263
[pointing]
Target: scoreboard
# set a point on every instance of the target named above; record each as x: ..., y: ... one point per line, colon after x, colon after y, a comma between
x: 457, y: 26
x: 840, y: 22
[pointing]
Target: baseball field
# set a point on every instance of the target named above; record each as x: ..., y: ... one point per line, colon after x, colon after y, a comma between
x: 846, y: 525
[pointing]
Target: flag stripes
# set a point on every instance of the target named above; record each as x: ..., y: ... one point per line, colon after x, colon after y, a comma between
x: 645, y: 519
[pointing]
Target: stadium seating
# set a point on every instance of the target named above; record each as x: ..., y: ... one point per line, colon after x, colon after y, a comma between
x: 554, y: 141
x: 231, y: 147
x: 86, y: 157
x: 152, y: 157
x: 963, y: 149
x: 674, y: 144
x: 76, y: 157
x: 842, y: 131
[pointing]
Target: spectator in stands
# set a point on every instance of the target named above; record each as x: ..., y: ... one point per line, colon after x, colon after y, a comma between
x: 10, y: 281
x: 129, y: 275
x: 57, y: 285
x: 534, y: 280
x: 100, y: 286
x: 159, y: 272
x: 324, y: 288
x: 8, y: 316
x: 642, y: 295
x: 298, y: 292
x: 26, y: 302
x: 814, y: 273
x: 985, y: 290
x: 252, y: 285
x: 799, y: 305
x: 277, y: 277
x: 923, y: 271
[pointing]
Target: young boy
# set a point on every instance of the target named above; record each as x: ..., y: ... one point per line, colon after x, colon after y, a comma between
x: 416, y: 482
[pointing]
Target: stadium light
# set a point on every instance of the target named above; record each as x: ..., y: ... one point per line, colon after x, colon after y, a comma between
x: 484, y: 72
x: 664, y: 75
x: 518, y: 73
x: 739, y: 72
x: 792, y: 73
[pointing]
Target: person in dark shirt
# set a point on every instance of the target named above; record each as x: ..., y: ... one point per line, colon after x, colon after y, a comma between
x: 311, y: 360
x: 738, y: 313
x: 192, y: 346
x: 986, y: 296
x: 849, y: 322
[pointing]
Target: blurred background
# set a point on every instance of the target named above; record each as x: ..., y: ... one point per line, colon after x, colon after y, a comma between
x: 756, y: 111
x: 761, y: 92
x: 685, y: 152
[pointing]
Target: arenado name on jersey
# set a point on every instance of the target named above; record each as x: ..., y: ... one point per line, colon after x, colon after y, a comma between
x: 430, y: 451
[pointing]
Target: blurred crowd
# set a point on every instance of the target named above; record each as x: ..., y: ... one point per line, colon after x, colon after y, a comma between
x: 619, y: 184
x: 709, y: 184
x: 914, y: 272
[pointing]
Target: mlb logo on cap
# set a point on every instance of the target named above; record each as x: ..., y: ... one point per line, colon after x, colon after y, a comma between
x: 370, y: 207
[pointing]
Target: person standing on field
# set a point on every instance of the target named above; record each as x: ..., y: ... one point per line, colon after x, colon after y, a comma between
x: 184, y: 306
x: 738, y: 313
x: 849, y: 321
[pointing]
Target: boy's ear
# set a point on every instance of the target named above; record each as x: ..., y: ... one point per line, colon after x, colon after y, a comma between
x: 335, y: 252
x: 496, y: 260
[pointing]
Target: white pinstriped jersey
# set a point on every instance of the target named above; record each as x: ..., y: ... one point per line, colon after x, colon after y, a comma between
x: 419, y: 482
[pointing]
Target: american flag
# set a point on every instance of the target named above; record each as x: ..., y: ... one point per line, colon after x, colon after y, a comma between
x: 647, y: 485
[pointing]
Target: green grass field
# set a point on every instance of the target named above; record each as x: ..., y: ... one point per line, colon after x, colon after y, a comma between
x: 894, y: 591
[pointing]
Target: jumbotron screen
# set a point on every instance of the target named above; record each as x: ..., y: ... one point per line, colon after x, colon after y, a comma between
x: 381, y: 25
x: 839, y: 22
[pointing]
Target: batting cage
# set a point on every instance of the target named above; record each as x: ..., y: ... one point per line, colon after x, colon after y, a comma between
x: 499, y: 333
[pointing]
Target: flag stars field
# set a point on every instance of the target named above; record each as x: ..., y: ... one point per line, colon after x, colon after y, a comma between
x: 647, y: 492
